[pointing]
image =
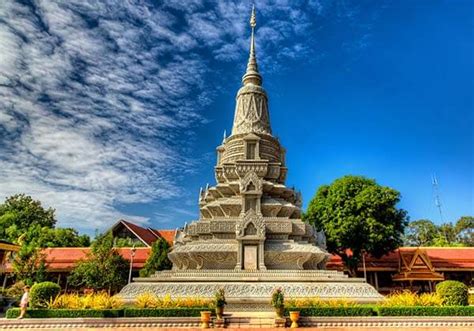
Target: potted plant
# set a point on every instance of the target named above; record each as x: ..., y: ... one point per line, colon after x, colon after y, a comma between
x: 278, y: 302
x: 219, y: 302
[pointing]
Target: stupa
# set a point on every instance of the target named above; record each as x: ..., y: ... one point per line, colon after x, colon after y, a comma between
x: 250, y: 238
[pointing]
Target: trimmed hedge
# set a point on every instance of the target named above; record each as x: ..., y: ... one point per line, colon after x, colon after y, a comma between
x: 165, y: 312
x: 195, y: 312
x: 65, y: 313
x: 426, y: 311
x: 42, y: 293
x: 333, y: 311
x: 127, y: 312
x: 453, y: 293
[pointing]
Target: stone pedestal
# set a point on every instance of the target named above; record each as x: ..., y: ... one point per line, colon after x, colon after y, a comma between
x: 280, y: 322
x: 250, y: 290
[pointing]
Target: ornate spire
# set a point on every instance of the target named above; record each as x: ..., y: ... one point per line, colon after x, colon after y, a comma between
x: 252, y: 76
x: 251, y: 109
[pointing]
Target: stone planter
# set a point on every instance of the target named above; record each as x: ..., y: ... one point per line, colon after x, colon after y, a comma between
x: 219, y: 312
x: 280, y: 312
x: 294, y: 317
x: 205, y: 319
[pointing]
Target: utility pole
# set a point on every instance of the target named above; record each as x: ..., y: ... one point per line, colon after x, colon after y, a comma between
x: 132, y: 255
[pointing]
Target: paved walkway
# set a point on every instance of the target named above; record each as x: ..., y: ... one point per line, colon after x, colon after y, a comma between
x: 244, y: 322
x: 446, y: 328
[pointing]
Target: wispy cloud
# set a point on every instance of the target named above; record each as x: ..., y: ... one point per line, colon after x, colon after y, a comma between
x: 96, y: 95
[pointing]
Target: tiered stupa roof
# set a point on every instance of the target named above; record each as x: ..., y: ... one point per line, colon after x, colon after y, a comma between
x: 250, y: 204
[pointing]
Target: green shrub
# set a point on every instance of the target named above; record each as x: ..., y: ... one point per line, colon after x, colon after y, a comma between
x: 129, y: 312
x: 150, y: 300
x: 42, y: 293
x: 164, y: 312
x: 16, y: 290
x: 318, y: 302
x: 426, y: 311
x: 65, y: 313
x: 411, y: 299
x: 334, y: 311
x: 278, y: 298
x: 90, y: 301
x: 453, y: 293
x: 219, y: 298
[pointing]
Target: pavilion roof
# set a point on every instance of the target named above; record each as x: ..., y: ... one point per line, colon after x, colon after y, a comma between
x: 442, y: 258
x: 146, y: 235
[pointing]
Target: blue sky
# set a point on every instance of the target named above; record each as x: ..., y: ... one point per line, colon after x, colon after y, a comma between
x: 113, y: 109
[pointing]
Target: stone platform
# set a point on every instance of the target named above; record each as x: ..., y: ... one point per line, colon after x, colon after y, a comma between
x: 245, y: 322
x: 248, y: 290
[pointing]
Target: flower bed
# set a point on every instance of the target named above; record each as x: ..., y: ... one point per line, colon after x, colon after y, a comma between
x: 164, y: 312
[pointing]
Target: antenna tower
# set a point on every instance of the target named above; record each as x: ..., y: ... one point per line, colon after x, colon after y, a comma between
x: 437, y: 199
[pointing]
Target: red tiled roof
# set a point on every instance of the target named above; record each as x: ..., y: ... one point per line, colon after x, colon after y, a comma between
x: 167, y: 235
x: 442, y: 258
x: 146, y: 235
x: 64, y: 258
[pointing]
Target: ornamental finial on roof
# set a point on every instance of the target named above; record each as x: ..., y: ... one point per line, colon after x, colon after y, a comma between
x: 252, y: 76
x: 253, y: 19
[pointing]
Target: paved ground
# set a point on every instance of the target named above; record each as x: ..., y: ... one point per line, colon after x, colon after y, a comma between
x: 447, y: 328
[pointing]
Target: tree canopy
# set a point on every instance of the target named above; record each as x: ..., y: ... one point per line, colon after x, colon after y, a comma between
x: 20, y: 212
x: 26, y: 222
x: 104, y: 268
x: 357, y: 215
x: 158, y: 259
x: 426, y: 233
x: 420, y: 233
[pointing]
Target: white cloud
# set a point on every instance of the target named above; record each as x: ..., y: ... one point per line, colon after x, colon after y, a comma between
x: 94, y: 95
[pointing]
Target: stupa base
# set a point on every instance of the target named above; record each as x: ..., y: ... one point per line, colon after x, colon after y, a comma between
x: 251, y: 290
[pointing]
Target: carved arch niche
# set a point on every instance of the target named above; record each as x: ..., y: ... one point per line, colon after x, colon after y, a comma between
x: 251, y: 184
x: 251, y: 189
x: 250, y: 230
x: 250, y: 234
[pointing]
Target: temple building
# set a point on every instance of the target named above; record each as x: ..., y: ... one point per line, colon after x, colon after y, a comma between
x: 249, y: 238
x: 249, y: 220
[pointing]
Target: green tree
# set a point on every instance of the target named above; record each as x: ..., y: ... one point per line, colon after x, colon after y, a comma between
x: 26, y: 222
x: 61, y: 237
x: 158, y: 259
x: 29, y: 263
x: 420, y: 233
x: 19, y: 212
x: 446, y: 236
x: 464, y: 229
x: 357, y: 216
x: 128, y: 242
x: 426, y: 233
x: 104, y: 268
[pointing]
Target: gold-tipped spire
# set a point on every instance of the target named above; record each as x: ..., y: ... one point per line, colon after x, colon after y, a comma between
x: 252, y: 76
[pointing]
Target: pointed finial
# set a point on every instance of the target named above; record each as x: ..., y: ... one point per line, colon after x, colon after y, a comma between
x: 252, y: 76
x: 225, y: 136
x: 253, y: 18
